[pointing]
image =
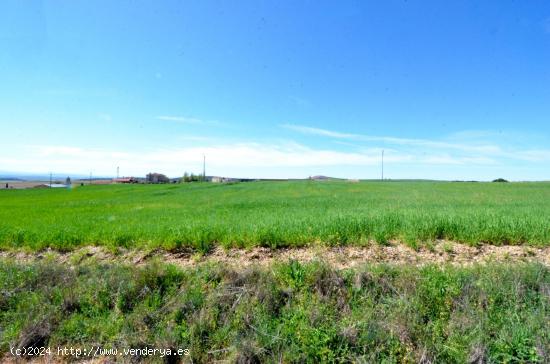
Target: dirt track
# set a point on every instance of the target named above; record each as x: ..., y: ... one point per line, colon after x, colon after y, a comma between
x: 339, y: 257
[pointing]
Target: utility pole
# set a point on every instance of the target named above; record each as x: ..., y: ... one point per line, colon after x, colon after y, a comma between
x: 117, y: 170
x: 203, y: 168
x: 50, y: 179
x: 382, y: 164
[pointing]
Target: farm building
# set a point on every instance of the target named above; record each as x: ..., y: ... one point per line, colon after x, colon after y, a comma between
x: 216, y: 179
x: 53, y: 185
x: 125, y: 180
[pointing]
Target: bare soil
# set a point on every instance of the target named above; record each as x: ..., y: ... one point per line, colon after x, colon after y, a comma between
x: 442, y: 252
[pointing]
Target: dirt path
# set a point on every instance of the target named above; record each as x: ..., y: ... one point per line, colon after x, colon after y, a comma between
x: 340, y: 257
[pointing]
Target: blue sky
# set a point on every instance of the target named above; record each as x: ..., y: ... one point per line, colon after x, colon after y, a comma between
x: 450, y: 90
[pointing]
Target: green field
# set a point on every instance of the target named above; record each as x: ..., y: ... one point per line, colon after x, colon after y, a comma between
x: 275, y: 214
x: 289, y: 313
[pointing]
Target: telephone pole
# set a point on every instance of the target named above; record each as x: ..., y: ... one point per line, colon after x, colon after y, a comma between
x: 50, y: 179
x: 117, y: 170
x: 382, y: 164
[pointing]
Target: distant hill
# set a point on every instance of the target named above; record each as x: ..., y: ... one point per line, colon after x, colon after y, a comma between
x: 324, y: 178
x: 22, y: 176
x: 10, y: 178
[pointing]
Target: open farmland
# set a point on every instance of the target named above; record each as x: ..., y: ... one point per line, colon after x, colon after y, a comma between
x: 275, y: 214
x: 332, y: 271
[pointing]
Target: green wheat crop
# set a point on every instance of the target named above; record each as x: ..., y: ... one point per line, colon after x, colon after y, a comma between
x: 275, y: 214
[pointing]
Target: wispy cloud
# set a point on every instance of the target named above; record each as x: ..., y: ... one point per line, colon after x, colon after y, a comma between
x: 194, y: 138
x: 471, y: 145
x: 317, y: 131
x: 189, y: 120
x: 392, y: 140
x: 180, y: 119
x: 474, y: 134
x: 533, y: 155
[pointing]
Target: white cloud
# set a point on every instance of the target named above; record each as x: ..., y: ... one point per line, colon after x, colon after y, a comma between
x: 476, y: 150
x: 392, y: 140
x: 413, y: 158
x: 450, y: 160
x: 474, y: 134
x: 194, y: 138
x: 180, y: 119
x: 317, y: 131
x: 247, y: 158
x: 188, y: 120
x: 533, y: 155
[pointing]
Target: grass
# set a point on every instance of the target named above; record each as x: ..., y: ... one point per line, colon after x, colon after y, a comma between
x: 288, y: 312
x: 275, y: 214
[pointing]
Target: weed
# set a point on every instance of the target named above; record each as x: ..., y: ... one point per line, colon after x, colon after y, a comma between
x: 289, y: 312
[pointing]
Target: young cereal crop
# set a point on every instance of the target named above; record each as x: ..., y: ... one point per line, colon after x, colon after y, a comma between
x: 275, y: 214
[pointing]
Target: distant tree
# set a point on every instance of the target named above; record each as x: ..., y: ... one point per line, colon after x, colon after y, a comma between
x: 191, y: 177
x: 500, y: 180
x: 68, y: 181
x: 157, y: 178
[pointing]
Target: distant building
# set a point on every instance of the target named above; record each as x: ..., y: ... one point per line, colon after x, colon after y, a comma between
x: 217, y: 179
x: 125, y: 180
x: 53, y: 185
